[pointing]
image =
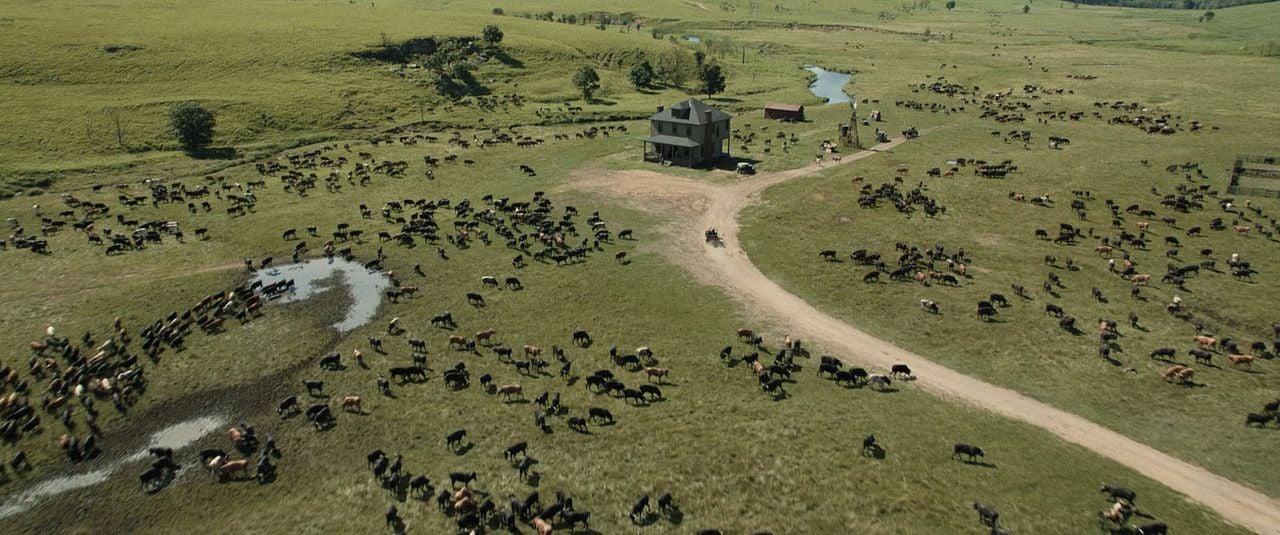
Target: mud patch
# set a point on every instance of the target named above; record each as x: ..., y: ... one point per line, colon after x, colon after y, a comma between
x: 315, y: 276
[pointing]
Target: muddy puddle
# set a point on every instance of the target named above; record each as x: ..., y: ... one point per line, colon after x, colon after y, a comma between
x: 314, y: 276
x: 176, y: 436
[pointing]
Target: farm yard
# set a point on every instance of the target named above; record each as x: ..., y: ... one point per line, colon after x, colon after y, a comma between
x: 369, y: 306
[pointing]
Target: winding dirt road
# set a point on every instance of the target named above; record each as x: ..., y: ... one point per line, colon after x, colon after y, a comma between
x: 693, y: 206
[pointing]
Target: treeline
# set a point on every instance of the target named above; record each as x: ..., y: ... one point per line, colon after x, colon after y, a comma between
x: 1171, y: 4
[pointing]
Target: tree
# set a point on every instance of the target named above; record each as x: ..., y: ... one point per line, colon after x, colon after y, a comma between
x: 114, y: 114
x: 587, y: 81
x: 498, y: 11
x: 951, y: 4
x: 699, y: 58
x: 492, y: 35
x: 192, y: 124
x: 710, y: 79
x: 675, y: 65
x: 641, y: 74
x: 1026, y: 9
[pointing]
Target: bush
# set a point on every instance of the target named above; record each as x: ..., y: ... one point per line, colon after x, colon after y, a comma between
x: 192, y: 125
x: 587, y: 81
x: 498, y: 11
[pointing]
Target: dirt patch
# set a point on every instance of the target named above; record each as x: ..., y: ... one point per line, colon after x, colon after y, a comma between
x: 117, y: 49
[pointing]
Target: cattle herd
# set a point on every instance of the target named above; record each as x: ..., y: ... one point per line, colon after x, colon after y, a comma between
x: 64, y: 380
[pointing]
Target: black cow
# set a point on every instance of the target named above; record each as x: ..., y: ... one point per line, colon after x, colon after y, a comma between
x: 1119, y: 493
x: 1163, y: 353
x: 519, y: 448
x: 454, y: 439
x: 965, y: 449
x: 900, y: 370
x: 461, y: 477
x: 986, y: 514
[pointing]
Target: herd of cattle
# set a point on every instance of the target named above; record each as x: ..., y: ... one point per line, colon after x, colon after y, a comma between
x: 1131, y: 233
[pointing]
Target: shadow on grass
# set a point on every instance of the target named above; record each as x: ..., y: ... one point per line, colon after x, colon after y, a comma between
x: 213, y: 153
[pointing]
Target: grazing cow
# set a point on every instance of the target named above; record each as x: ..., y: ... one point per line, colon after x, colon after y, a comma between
x: 150, y: 476
x: 511, y: 390
x: 651, y: 391
x: 660, y: 373
x: 1119, y: 493
x: 288, y: 406
x: 968, y: 450
x: 524, y: 465
x: 1241, y: 360
x: 929, y: 306
x: 773, y: 387
x: 581, y: 338
x: 352, y: 402
x: 599, y: 414
x: 541, y: 526
x: 986, y: 514
x: 314, y: 388
x: 578, y: 423
x: 231, y: 467
x: 828, y: 255
x: 1205, y: 341
x: 454, y: 439
x: 1201, y: 355
x: 1260, y: 420
x: 639, y: 509
x: 519, y: 448
x: 869, y: 444
x: 1163, y: 353
x: 879, y: 382
x: 999, y: 300
x: 572, y: 518
x: 900, y: 370
x: 1154, y: 528
x: 1181, y: 373
x: 461, y: 477
x: 475, y: 299
x: 1053, y: 310
x: 393, y: 516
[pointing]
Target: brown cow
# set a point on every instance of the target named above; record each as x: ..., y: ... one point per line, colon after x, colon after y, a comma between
x: 235, y: 434
x: 541, y: 526
x: 1140, y: 278
x: 457, y: 341
x: 230, y: 467
x: 351, y: 402
x: 1103, y: 249
x: 1144, y: 224
x: 920, y: 277
x: 1172, y: 372
x: 1241, y: 229
x: 757, y: 368
x: 532, y: 351
x: 745, y: 334
x: 1241, y: 360
x: 660, y: 373
x: 511, y: 390
x: 408, y: 291
x: 1205, y: 341
x: 485, y: 336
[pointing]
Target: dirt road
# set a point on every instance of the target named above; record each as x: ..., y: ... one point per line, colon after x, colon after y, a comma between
x: 694, y: 206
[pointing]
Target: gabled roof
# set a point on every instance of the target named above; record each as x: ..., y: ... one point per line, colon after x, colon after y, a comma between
x: 696, y: 113
x: 783, y: 107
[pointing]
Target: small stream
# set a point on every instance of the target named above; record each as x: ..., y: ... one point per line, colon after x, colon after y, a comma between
x: 829, y: 85
x: 176, y: 436
x: 315, y: 276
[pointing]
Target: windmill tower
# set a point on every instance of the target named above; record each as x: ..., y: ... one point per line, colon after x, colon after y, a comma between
x: 849, y: 131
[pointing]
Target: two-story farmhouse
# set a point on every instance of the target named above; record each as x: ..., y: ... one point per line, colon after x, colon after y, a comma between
x: 689, y: 134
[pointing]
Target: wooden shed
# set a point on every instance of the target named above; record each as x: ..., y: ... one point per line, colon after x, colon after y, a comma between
x: 786, y: 112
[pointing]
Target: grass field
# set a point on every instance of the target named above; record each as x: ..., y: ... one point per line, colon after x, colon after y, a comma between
x: 282, y: 77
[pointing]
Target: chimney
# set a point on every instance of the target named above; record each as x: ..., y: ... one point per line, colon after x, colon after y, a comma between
x: 660, y: 109
x: 707, y: 115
